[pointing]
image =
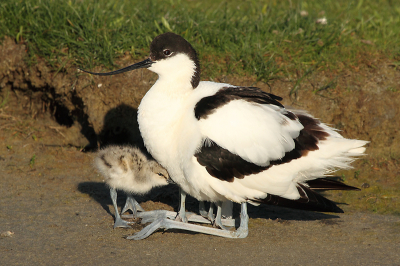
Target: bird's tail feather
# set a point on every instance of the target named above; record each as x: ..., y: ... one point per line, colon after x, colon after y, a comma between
x: 310, y: 199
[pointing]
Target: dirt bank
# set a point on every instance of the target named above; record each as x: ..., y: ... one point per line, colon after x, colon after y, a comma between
x: 58, y: 211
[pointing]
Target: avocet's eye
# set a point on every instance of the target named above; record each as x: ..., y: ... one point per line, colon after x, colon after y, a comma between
x: 167, y: 52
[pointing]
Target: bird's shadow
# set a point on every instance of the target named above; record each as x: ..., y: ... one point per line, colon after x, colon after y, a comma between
x: 169, y: 195
x: 120, y: 127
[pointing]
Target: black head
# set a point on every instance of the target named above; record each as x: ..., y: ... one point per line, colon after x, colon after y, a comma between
x: 170, y: 44
x: 162, y: 47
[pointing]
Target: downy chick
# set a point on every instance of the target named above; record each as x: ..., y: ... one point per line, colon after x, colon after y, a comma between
x: 126, y: 168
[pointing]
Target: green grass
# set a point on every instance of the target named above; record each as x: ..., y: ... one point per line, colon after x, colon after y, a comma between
x: 262, y: 38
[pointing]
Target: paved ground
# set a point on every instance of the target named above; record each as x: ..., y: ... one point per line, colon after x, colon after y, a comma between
x: 60, y: 213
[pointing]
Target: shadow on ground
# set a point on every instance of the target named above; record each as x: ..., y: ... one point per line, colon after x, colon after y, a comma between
x: 169, y: 196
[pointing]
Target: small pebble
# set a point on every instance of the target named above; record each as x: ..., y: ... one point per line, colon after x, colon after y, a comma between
x: 7, y: 234
x: 365, y: 185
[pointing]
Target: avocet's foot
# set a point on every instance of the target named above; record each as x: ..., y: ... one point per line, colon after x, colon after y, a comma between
x: 121, y: 223
x: 228, y: 222
x: 181, y: 217
x: 133, y: 205
x: 165, y: 223
x: 151, y: 216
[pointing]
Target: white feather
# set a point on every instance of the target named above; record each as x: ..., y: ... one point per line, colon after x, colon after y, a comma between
x: 257, y: 133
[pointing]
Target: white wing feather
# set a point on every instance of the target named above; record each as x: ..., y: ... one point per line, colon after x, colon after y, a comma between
x: 257, y: 133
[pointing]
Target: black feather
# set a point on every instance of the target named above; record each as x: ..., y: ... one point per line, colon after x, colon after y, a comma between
x: 223, y: 164
x: 208, y: 105
x: 328, y: 184
x: 309, y: 200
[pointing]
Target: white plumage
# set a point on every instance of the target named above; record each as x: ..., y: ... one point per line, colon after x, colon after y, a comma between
x: 220, y: 142
x: 257, y: 133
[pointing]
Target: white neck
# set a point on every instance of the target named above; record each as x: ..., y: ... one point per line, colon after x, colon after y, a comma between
x: 175, y: 73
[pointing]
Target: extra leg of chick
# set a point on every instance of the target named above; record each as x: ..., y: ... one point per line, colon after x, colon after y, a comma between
x: 133, y: 205
x: 225, y: 209
x: 224, y: 213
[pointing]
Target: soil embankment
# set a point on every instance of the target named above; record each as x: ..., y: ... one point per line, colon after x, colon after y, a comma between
x: 58, y: 211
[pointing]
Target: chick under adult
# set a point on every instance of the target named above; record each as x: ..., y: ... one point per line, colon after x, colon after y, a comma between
x: 223, y: 142
x: 128, y: 169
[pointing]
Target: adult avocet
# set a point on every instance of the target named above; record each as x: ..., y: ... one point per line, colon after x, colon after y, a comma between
x: 222, y: 142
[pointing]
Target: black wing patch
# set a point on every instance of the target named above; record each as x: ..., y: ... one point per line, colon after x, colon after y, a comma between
x: 207, y: 105
x: 311, y: 134
x: 309, y: 200
x: 223, y: 164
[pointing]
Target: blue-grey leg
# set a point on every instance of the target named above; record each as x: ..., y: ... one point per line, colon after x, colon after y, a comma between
x: 165, y: 223
x: 227, y: 208
x: 182, y: 215
x: 243, y: 229
x: 151, y: 216
x: 218, y: 222
x: 210, y: 214
x: 118, y: 221
x: 182, y: 209
x: 202, y: 209
x: 133, y: 205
